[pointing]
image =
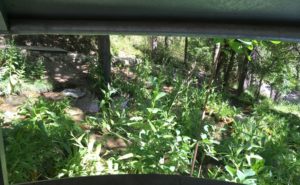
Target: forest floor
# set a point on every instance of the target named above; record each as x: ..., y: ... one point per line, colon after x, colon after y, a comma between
x: 68, y: 73
x: 65, y: 71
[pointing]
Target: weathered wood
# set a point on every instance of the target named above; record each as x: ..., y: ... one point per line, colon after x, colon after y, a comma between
x: 3, y: 172
x: 37, y: 48
x: 132, y: 180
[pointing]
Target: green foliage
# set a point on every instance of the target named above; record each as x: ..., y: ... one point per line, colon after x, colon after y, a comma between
x: 19, y: 75
x: 157, y: 113
x: 87, y: 160
x: 39, y: 144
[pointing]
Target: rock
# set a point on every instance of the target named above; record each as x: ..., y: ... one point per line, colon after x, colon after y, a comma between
x: 93, y: 107
x: 3, y: 70
x: 75, y: 93
x: 88, y: 103
x: 53, y: 95
x: 115, y: 143
x: 9, y: 112
x: 168, y: 89
x: 76, y: 114
x: 31, y: 94
x: 293, y: 97
x: 9, y: 116
x: 15, y: 100
x: 239, y: 118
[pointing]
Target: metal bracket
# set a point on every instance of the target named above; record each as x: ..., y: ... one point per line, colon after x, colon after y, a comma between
x: 3, y: 171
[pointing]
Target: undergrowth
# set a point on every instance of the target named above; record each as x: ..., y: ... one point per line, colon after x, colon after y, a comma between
x: 158, y: 116
x: 18, y: 75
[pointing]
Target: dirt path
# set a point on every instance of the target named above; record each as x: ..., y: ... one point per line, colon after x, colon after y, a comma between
x: 67, y: 72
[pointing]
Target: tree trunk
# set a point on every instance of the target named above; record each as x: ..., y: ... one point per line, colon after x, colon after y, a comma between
x: 186, y: 50
x: 251, y: 80
x: 242, y: 74
x: 228, y: 70
x: 223, y: 58
x: 105, y: 58
x: 257, y: 93
x: 154, y: 45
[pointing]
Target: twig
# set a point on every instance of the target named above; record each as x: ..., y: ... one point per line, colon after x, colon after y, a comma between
x: 213, y: 73
x: 200, y: 167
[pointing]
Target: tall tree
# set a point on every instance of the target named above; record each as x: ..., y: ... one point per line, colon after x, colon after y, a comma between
x: 228, y: 69
x: 153, y: 45
x: 242, y: 74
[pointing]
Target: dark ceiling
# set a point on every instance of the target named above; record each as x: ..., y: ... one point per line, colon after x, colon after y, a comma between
x: 255, y: 10
x: 264, y: 14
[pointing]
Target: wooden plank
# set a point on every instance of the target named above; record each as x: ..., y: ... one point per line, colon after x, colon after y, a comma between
x: 132, y: 180
x: 37, y: 48
x: 3, y: 172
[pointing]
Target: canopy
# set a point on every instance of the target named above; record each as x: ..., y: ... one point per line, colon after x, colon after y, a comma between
x: 278, y: 19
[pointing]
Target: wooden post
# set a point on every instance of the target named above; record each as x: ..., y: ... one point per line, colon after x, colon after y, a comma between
x: 166, y: 42
x: 186, y: 42
x: 105, y: 57
x: 3, y: 172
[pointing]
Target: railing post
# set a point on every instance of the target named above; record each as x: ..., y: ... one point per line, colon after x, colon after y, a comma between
x: 3, y: 172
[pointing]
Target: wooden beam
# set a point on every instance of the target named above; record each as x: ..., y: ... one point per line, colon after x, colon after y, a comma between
x: 37, y: 48
x: 289, y: 32
x: 3, y: 25
x: 132, y: 180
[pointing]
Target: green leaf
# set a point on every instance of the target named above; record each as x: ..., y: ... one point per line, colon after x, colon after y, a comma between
x: 159, y: 96
x: 172, y: 168
x: 236, y: 46
x: 154, y: 110
x: 230, y: 170
x: 252, y: 156
x: 152, y: 127
x: 241, y: 175
x: 136, y: 118
x: 275, y: 42
x: 249, y: 172
x: 250, y: 47
x: 42, y: 127
x: 249, y: 58
x: 167, y: 136
x: 248, y: 43
x: 126, y: 156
